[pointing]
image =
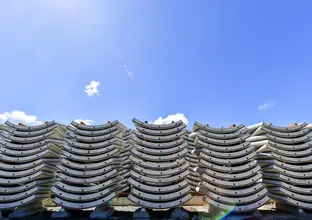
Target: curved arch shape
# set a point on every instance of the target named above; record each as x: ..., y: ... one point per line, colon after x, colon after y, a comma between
x: 30, y: 152
x: 297, y: 140
x: 299, y: 153
x: 227, y: 142
x: 27, y: 140
x: 29, y: 165
x: 33, y: 133
x: 170, y: 172
x: 287, y: 179
x: 233, y: 135
x: 91, y: 133
x: 296, y: 189
x: 198, y: 126
x: 291, y: 201
x: 230, y: 155
x: 164, y: 145
x: 165, y: 158
x: 291, y: 147
x: 232, y: 176
x: 114, y: 152
x: 95, y: 139
x: 85, y: 173
x: 158, y: 205
x: 284, y: 129
x: 95, y: 179
x: 237, y: 169
x: 157, y: 166
x: 22, y: 195
x: 293, y: 134
x: 45, y: 153
x: 142, y: 124
x: 229, y: 161
x: 114, y: 141
x: 167, y: 132
x: 9, y: 145
x: 156, y: 180
x: 22, y: 188
x: 26, y: 179
x: 287, y: 166
x: 231, y: 148
x: 27, y: 172
x: 30, y: 128
x: 296, y: 160
x: 161, y: 151
x: 160, y: 139
x: 98, y: 127
x: 25, y: 201
x: 293, y: 195
x: 91, y: 166
x: 89, y: 152
x: 299, y: 175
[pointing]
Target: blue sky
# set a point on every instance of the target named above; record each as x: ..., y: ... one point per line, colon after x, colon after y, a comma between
x: 215, y: 62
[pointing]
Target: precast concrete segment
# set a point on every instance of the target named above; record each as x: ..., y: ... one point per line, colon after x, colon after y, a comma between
x: 191, y: 160
x: 238, y: 200
x: 165, y: 158
x: 159, y: 139
x: 231, y: 176
x: 85, y: 173
x: 91, y: 133
x: 84, y: 197
x: 25, y: 201
x: 292, y: 147
x: 95, y: 139
x: 84, y: 205
x: 154, y: 132
x: 239, y: 208
x: 154, y: 179
x: 30, y: 165
x: 293, y: 195
x: 227, y: 142
x: 7, y: 190
x: 13, y: 146
x: 22, y: 195
x: 292, y: 160
x: 275, y: 169
x: 198, y: 126
x: 151, y: 172
x: 99, y: 127
x: 27, y: 172
x: 89, y: 152
x: 32, y: 133
x: 284, y: 129
x: 157, y: 189
x: 286, y: 166
x: 146, y: 125
x: 287, y: 179
x: 232, y: 192
x: 160, y: 205
x: 30, y: 152
x: 91, y: 146
x: 160, y: 152
x: 165, y: 145
x: 288, y: 200
x: 297, y: 189
x: 26, y: 179
x: 287, y: 134
x: 224, y: 136
x: 157, y: 166
x: 18, y: 160
x: 228, y: 169
x: 96, y: 179
x: 30, y: 128
x: 234, y: 161
x: 27, y: 140
x: 88, y: 189
x: 161, y: 197
x: 228, y: 155
x: 231, y: 184
x: 299, y: 153
x: 91, y: 158
x: 217, y: 148
x: 297, y: 140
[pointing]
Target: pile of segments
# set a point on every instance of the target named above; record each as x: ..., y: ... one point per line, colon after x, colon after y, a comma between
x: 230, y: 175
x: 125, y: 156
x: 286, y: 164
x: 89, y: 169
x: 193, y: 158
x: 29, y: 155
x: 158, y: 177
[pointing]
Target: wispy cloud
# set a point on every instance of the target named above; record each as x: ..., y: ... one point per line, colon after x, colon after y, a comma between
x: 171, y: 118
x: 92, y: 88
x: 19, y: 117
x: 85, y: 121
x: 268, y: 104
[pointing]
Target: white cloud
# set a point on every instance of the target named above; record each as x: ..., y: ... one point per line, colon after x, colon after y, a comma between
x: 85, y: 121
x: 268, y: 104
x: 92, y: 88
x: 171, y: 118
x: 20, y: 117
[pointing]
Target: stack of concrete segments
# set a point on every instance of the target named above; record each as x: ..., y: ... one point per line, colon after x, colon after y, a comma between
x: 286, y: 164
x: 158, y: 177
x: 193, y: 158
x: 230, y: 175
x: 29, y: 156
x: 89, y: 169
x: 125, y: 156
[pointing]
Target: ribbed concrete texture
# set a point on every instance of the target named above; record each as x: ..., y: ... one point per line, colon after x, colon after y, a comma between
x: 230, y: 175
x: 285, y: 158
x: 158, y: 178
x: 29, y: 155
x: 91, y: 171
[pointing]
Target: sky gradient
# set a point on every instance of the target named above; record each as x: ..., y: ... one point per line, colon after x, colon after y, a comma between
x: 217, y: 62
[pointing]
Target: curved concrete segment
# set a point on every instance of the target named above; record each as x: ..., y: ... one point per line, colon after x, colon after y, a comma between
x: 91, y: 165
x: 284, y: 129
x: 27, y: 140
x: 18, y: 160
x: 157, y: 166
x: 169, y: 172
x: 229, y: 155
x: 298, y: 153
x: 33, y: 133
x: 155, y: 180
x: 287, y: 179
x: 89, y: 152
x: 290, y: 201
x: 30, y: 152
x: 27, y: 172
x: 212, y: 147
x: 91, y: 146
x: 235, y: 161
x: 287, y: 166
x: 159, y: 139
x: 198, y: 126
x: 95, y: 139
x: 224, y: 136
x: 227, y: 142
x: 91, y: 133
x: 25, y: 201
x: 165, y: 158
x: 30, y: 128
x: 297, y: 140
x: 276, y: 169
x: 96, y: 158
x: 293, y: 134
x: 291, y: 147
x: 290, y: 187
x: 29, y: 165
x: 9, y: 145
x: 164, y: 145
x: 85, y: 173
x: 160, y: 152
x: 146, y: 125
x: 228, y: 169
x: 98, y: 127
x: 167, y: 132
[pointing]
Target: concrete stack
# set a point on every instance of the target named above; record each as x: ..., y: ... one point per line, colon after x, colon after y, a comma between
x: 90, y: 169
x: 125, y: 156
x: 230, y: 174
x: 29, y: 155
